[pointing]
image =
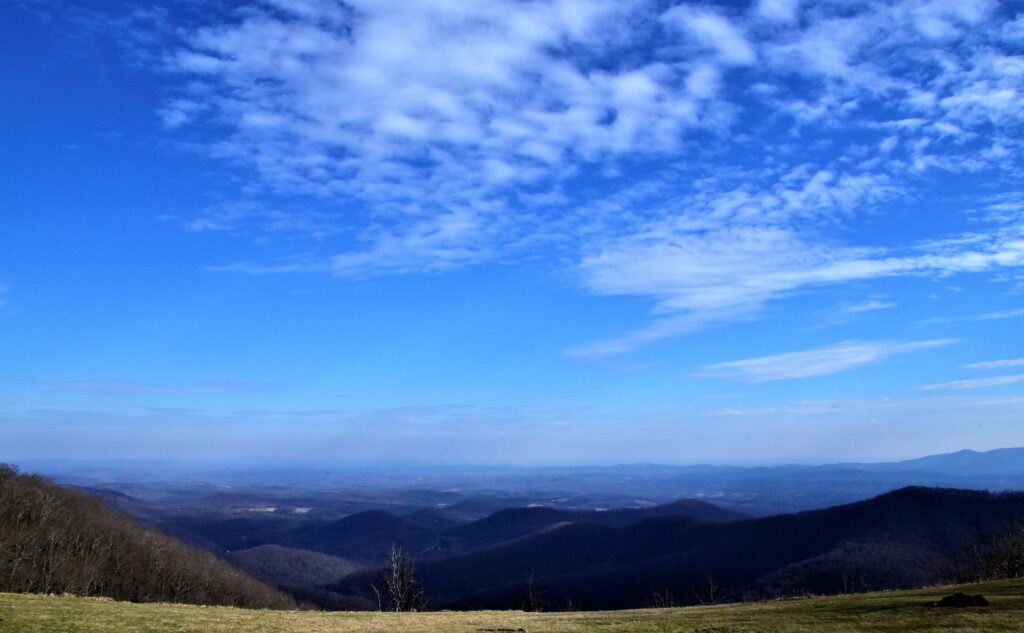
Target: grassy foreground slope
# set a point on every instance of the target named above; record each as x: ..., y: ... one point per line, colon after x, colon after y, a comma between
x: 876, y: 612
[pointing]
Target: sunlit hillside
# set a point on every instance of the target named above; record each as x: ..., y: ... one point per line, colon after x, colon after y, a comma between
x: 902, y: 611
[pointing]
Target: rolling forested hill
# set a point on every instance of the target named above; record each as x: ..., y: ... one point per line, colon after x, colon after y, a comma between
x: 911, y: 537
x: 57, y: 540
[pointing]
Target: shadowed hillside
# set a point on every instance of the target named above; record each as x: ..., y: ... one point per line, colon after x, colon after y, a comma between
x: 439, y: 518
x: 289, y: 567
x: 57, y: 540
x: 364, y: 537
x: 515, y: 523
x: 432, y: 533
x: 896, y: 540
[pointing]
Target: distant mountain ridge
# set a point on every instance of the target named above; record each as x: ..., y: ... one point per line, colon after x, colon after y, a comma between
x: 967, y: 462
x: 1010, y: 459
x: 1000, y: 461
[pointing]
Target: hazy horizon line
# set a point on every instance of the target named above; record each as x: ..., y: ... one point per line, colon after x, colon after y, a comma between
x: 263, y: 463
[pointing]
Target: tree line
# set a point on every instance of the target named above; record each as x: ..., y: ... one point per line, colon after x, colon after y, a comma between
x: 57, y: 540
x: 998, y: 556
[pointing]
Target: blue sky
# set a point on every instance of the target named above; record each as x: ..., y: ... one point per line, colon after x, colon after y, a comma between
x: 511, y: 232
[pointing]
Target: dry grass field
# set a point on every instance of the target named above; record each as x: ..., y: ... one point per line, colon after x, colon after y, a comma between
x: 901, y: 611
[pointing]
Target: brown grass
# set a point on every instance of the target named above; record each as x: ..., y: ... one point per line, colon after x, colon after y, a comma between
x: 901, y: 611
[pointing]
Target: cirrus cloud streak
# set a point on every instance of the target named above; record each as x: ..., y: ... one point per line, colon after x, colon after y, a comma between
x: 821, y: 361
x: 976, y: 383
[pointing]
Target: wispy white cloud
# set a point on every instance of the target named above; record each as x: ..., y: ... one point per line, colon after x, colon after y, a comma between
x: 977, y: 383
x: 135, y: 388
x: 246, y: 216
x: 996, y: 364
x: 712, y: 31
x: 999, y: 315
x: 778, y: 10
x: 444, y: 135
x: 996, y: 315
x: 717, y: 273
x: 1013, y: 31
x: 659, y: 330
x: 821, y: 361
x: 429, y: 114
x: 871, y: 305
x: 178, y: 112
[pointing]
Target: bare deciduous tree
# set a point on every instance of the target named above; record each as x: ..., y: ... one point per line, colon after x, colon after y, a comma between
x: 57, y: 540
x: 401, y: 590
x: 707, y: 592
x: 531, y: 598
x: 661, y: 599
x: 1000, y: 554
